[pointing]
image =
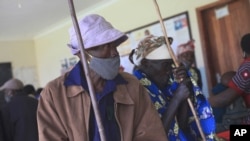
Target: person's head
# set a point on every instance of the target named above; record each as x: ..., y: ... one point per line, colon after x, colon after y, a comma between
x: 245, y: 45
x: 11, y: 87
x: 226, y: 77
x: 29, y: 89
x: 152, y: 57
x: 185, y: 53
x: 100, y: 41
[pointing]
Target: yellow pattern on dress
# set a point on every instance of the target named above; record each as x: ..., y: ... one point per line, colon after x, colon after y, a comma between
x: 194, y: 74
x: 176, y: 130
x: 145, y: 82
x: 158, y: 105
x: 162, y: 100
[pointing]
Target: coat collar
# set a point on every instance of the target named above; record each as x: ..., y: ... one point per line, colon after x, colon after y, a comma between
x: 122, y: 95
x: 76, y: 85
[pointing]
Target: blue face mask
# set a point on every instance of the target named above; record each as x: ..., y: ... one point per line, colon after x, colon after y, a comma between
x: 107, y: 68
x: 7, y: 96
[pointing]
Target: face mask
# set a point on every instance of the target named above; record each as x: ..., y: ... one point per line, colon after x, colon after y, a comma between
x: 7, y: 96
x: 107, y: 68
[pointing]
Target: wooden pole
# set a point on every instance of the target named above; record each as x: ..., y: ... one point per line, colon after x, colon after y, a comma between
x: 177, y: 65
x: 86, y: 71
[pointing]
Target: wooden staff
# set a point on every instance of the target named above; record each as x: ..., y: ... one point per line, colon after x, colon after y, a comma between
x: 86, y: 71
x: 177, y: 65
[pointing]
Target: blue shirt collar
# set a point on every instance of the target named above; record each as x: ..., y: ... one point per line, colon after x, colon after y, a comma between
x: 74, y: 79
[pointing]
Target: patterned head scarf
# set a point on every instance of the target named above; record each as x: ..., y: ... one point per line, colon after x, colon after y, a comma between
x: 189, y: 46
x: 151, y: 47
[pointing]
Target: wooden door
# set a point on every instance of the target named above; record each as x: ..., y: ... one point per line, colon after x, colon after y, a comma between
x: 221, y: 37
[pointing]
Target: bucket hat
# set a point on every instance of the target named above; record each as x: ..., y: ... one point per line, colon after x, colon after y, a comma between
x: 12, y: 84
x: 95, y: 31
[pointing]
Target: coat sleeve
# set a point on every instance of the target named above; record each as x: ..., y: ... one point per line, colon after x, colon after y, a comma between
x: 148, y: 126
x: 1, y: 127
x: 8, y: 128
x: 50, y: 127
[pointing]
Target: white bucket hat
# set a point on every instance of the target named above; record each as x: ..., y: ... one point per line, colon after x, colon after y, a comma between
x: 152, y: 48
x: 95, y: 31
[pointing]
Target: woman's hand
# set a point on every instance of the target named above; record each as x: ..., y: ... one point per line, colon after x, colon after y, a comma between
x: 180, y: 73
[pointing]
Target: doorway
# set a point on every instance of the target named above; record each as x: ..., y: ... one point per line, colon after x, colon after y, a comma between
x: 221, y: 26
x: 5, y: 75
x: 5, y: 72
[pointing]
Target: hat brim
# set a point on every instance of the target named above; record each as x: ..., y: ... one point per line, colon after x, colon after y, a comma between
x: 3, y: 87
x: 108, y: 36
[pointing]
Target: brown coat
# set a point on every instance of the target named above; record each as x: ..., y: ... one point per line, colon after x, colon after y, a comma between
x: 63, y: 112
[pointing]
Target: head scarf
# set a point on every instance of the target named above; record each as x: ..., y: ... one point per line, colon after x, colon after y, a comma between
x: 151, y: 47
x: 189, y: 46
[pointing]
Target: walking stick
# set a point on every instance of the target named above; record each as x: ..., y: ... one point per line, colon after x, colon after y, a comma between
x: 177, y: 65
x: 86, y: 70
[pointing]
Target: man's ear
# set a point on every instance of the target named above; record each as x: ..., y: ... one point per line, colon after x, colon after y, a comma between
x: 79, y: 55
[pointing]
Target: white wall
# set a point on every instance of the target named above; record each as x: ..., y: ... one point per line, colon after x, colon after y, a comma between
x: 124, y: 15
x: 42, y: 57
x: 21, y: 55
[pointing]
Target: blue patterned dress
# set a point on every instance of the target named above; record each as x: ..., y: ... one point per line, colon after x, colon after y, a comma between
x: 161, y: 99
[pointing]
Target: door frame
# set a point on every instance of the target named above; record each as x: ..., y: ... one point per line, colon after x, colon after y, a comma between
x: 203, y: 37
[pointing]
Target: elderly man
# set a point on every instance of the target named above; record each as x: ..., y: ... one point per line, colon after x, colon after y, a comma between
x: 65, y: 112
x: 156, y: 71
x: 19, y: 114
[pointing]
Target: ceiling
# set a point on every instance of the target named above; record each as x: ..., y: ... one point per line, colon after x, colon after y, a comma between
x: 26, y: 19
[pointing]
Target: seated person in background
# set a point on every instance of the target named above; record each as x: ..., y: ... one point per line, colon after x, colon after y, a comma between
x: 156, y: 71
x: 219, y: 112
x: 186, y: 56
x: 239, y: 86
